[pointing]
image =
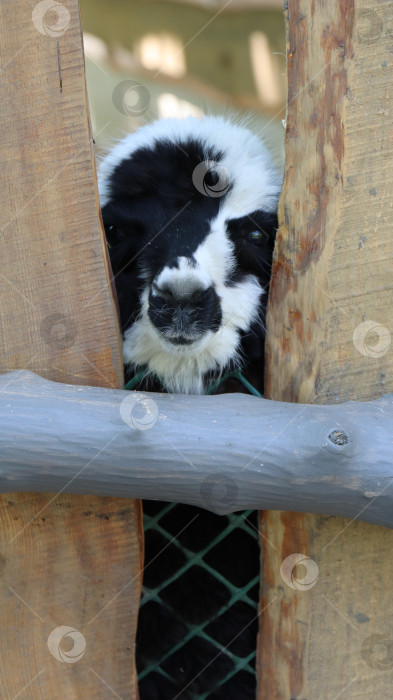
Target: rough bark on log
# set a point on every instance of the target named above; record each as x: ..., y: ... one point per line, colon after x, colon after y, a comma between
x: 224, y: 453
x: 329, y: 327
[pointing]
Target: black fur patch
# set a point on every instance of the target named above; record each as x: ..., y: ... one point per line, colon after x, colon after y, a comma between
x: 155, y: 224
x: 253, y: 254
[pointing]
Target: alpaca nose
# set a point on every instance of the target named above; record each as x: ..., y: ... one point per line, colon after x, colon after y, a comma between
x: 184, y: 313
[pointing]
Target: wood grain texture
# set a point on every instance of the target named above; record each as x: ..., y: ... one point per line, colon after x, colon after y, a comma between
x: 333, y: 260
x: 65, y: 562
x: 197, y: 449
x: 329, y: 340
x: 330, y: 634
x: 62, y: 558
x: 54, y: 280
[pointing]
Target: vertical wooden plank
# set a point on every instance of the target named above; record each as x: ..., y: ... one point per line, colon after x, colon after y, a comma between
x: 68, y: 562
x: 65, y: 562
x: 49, y: 224
x: 326, y: 626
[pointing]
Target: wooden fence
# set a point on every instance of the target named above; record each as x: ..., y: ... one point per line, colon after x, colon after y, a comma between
x: 70, y: 565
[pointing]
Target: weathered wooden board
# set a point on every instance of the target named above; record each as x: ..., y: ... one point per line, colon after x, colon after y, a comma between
x: 65, y: 561
x: 62, y: 559
x: 326, y: 627
x: 53, y: 278
x: 331, y: 298
x: 197, y: 449
x: 327, y: 621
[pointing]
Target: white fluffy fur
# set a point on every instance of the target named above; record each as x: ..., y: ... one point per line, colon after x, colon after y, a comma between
x: 255, y: 185
x: 181, y: 367
x: 184, y: 279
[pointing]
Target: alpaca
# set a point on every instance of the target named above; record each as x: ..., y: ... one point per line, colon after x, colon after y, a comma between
x: 190, y: 213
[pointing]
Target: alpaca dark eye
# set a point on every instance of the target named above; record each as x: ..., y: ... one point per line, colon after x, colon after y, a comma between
x: 114, y: 235
x: 256, y: 236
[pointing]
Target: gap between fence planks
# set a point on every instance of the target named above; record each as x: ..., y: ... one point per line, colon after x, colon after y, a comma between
x: 329, y: 330
x: 65, y: 561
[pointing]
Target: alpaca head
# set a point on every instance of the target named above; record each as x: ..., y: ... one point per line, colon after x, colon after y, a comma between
x: 189, y: 209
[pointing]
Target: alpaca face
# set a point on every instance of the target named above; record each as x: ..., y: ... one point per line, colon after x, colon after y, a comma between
x: 189, y: 209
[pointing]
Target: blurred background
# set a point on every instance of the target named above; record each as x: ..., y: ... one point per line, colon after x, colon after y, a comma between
x: 152, y: 58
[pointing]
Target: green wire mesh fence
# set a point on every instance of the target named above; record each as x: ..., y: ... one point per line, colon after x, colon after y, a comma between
x: 208, y: 557
x: 185, y: 545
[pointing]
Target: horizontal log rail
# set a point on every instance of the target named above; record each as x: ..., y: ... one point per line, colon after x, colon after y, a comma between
x: 224, y: 453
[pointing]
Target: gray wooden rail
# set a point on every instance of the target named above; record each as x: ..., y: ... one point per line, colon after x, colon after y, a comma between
x: 224, y: 453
